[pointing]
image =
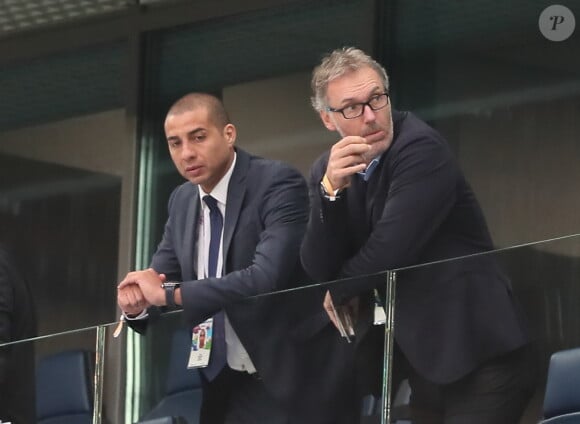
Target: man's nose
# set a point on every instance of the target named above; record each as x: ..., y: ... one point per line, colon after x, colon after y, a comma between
x: 368, y: 114
x: 188, y: 151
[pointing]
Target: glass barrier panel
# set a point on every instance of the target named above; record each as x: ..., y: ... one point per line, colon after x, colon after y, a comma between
x: 517, y: 303
x: 300, y: 357
x: 483, y: 320
x: 48, y: 379
x: 65, y: 203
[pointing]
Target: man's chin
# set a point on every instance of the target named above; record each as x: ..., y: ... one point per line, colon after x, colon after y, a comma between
x: 377, y: 149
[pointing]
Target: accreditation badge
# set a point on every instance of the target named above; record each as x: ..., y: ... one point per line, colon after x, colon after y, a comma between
x: 201, y: 338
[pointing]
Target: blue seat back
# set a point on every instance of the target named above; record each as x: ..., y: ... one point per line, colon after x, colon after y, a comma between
x: 64, y: 388
x: 183, y: 386
x: 563, y: 386
x: 564, y: 419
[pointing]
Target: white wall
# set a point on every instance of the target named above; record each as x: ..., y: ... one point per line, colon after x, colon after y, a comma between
x: 526, y: 173
x: 275, y: 120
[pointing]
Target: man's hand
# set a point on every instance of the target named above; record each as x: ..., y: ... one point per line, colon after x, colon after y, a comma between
x: 141, y: 289
x: 131, y: 300
x: 351, y: 309
x: 329, y: 308
x: 347, y: 157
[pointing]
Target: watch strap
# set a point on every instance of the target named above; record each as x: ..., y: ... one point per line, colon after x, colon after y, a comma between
x: 328, y: 191
x: 169, y: 288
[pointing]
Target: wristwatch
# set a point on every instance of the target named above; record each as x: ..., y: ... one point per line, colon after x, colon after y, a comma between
x: 332, y: 196
x: 169, y: 287
x: 327, y: 191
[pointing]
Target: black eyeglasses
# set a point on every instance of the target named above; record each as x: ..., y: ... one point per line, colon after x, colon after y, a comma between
x: 376, y: 102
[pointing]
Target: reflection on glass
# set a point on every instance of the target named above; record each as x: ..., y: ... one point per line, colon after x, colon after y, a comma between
x: 487, y: 79
x: 542, y: 281
x: 63, y: 225
x: 306, y: 353
x: 17, y: 322
x: 57, y: 383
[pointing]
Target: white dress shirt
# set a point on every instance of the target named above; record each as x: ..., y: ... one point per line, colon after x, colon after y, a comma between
x: 237, y: 356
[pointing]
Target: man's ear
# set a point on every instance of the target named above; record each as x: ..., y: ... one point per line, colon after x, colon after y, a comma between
x: 327, y: 120
x: 230, y: 133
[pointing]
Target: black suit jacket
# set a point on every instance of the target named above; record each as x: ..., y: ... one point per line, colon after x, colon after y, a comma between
x: 417, y: 208
x: 287, y: 336
x: 17, y: 362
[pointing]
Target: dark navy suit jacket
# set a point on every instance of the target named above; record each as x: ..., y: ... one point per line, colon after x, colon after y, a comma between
x: 290, y: 340
x: 417, y: 208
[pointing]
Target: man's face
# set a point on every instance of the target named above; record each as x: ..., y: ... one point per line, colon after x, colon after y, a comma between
x: 201, y: 152
x: 376, y: 126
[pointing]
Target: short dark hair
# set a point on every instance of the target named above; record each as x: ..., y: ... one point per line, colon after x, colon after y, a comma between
x: 217, y: 111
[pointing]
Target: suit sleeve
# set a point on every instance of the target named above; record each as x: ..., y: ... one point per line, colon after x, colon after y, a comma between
x: 165, y: 259
x: 421, y: 193
x: 283, y: 213
x: 327, y: 243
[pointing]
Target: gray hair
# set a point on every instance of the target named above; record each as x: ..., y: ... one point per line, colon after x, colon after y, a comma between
x: 336, y: 64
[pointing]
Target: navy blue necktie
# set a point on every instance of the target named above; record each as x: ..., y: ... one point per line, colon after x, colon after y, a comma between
x: 216, y: 223
x: 218, y: 351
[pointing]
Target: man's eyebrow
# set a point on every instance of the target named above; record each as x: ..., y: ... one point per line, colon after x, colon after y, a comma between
x: 351, y: 100
x: 189, y: 133
x: 195, y: 130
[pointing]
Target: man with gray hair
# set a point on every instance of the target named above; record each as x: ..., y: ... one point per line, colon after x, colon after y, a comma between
x: 389, y: 194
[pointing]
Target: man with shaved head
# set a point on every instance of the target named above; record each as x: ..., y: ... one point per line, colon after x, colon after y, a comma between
x: 234, y: 231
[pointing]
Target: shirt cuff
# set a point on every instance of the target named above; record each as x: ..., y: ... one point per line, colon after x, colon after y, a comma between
x: 144, y: 314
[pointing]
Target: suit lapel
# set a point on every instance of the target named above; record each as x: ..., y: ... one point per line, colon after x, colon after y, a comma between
x: 377, y: 190
x: 356, y: 197
x: 366, y: 201
x: 379, y: 183
x: 236, y: 193
x: 190, y: 236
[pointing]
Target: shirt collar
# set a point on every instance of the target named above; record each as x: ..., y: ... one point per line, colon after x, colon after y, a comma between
x: 366, y: 174
x: 397, y: 118
x: 220, y: 191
